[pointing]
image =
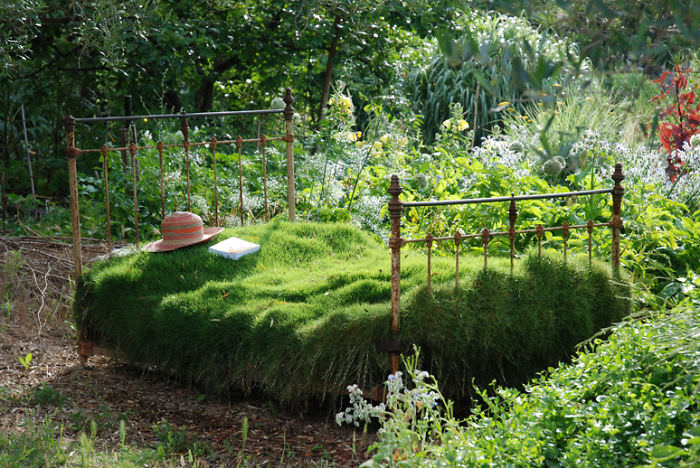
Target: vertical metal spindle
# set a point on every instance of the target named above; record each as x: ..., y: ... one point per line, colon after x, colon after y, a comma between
x: 512, y: 217
x: 429, y: 245
x: 239, y: 145
x: 162, y: 182
x: 212, y: 146
x: 72, y: 154
x: 458, y: 240
x: 263, y: 144
x: 186, y: 144
x: 565, y: 235
x: 589, y: 228
x: 485, y: 237
x: 132, y: 150
x: 289, y: 139
x: 124, y: 142
x: 105, y: 170
x: 539, y: 232
x: 395, y: 243
x: 616, y: 221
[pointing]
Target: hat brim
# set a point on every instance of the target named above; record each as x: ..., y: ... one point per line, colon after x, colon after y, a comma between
x: 161, y: 246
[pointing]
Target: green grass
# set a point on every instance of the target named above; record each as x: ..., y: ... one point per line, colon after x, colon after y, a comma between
x: 301, y: 318
x: 44, y: 443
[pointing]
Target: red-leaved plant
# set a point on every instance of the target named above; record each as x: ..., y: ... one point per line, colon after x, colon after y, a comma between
x: 679, y: 116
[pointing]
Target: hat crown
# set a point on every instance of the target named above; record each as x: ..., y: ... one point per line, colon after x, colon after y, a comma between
x: 182, y: 227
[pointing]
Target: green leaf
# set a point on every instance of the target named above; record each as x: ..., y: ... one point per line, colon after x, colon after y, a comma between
x: 662, y: 453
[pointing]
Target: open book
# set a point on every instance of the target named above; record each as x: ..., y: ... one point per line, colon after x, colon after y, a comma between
x: 234, y: 248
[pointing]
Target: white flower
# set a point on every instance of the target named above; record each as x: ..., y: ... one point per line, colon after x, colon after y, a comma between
x: 695, y: 140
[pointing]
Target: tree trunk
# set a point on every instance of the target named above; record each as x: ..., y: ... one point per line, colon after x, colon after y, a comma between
x: 328, y: 75
x: 172, y: 101
x: 204, y: 96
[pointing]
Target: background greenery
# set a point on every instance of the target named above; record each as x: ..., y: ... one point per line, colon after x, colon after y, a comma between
x: 565, y: 90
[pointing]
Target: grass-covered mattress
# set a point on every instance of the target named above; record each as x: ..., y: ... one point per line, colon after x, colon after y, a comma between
x: 301, y: 318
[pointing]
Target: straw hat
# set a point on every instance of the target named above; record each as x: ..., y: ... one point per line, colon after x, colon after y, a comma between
x: 181, y: 229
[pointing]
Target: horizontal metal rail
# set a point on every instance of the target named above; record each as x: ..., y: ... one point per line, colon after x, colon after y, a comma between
x: 538, y: 196
x: 180, y: 145
x: 503, y: 233
x: 121, y: 118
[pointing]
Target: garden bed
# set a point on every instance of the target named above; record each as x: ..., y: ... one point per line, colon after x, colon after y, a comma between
x: 302, y: 318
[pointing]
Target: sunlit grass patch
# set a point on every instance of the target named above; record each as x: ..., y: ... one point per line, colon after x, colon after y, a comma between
x: 302, y: 317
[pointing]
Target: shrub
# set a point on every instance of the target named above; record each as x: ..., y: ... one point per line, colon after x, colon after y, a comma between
x: 508, y: 59
x: 628, y: 401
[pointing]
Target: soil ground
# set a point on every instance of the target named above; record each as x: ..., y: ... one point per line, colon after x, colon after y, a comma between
x: 35, y: 288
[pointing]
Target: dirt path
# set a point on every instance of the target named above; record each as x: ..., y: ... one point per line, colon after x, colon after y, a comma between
x: 81, y: 398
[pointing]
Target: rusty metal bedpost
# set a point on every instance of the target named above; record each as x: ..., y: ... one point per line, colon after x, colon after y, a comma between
x: 263, y: 143
x: 239, y: 146
x: 105, y: 169
x: 212, y: 146
x: 72, y: 154
x: 395, y: 243
x: 512, y: 217
x: 616, y: 221
x: 162, y: 182
x: 184, y: 126
x: 289, y: 139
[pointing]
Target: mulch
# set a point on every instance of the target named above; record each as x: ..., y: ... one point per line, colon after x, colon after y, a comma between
x: 106, y: 390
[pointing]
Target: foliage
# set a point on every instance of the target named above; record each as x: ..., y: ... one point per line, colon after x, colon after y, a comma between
x: 45, y: 443
x: 678, y: 119
x: 627, y: 401
x: 552, y: 134
x: 83, y: 57
x: 226, y: 324
x: 172, y: 439
x: 617, y: 34
x: 510, y: 62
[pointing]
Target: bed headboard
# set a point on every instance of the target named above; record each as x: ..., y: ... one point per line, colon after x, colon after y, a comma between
x: 129, y: 148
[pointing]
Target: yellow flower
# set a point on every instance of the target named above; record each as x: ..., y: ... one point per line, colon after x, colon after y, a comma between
x: 376, y: 148
x: 462, y: 125
x: 385, y: 139
x: 503, y: 103
x: 447, y: 124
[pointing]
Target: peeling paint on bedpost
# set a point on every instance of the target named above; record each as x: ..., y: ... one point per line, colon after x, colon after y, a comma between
x: 395, y: 243
x: 72, y: 154
x: 289, y: 139
x: 616, y: 221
